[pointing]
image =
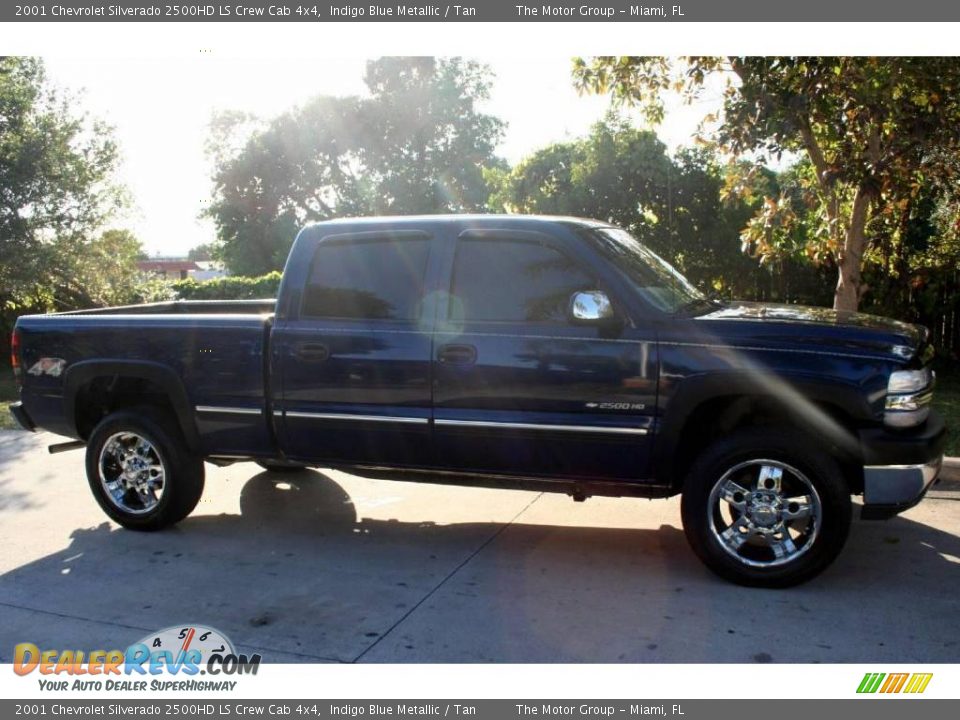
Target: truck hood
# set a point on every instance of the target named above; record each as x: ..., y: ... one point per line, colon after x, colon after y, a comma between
x: 817, y: 326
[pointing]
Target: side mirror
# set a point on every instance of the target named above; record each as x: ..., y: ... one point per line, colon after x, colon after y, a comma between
x: 590, y: 306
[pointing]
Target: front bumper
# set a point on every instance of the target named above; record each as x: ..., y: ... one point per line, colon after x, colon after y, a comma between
x: 899, y: 467
x: 20, y: 415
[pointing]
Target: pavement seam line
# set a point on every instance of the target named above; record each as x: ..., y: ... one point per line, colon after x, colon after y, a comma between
x: 447, y: 577
x: 67, y: 616
x: 138, y: 628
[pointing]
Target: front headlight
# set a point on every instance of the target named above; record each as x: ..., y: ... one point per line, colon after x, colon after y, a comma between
x: 904, y: 381
x: 908, y: 397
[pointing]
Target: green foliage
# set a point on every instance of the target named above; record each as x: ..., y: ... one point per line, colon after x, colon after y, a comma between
x: 875, y: 132
x: 56, y: 195
x: 8, y: 394
x: 151, y: 289
x: 202, y: 252
x: 94, y: 273
x: 56, y: 190
x: 233, y: 287
x: 674, y: 205
x: 946, y: 401
x: 430, y: 142
x: 418, y: 144
x: 105, y: 271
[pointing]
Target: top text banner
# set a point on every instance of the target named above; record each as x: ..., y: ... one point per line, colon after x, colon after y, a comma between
x: 481, y: 11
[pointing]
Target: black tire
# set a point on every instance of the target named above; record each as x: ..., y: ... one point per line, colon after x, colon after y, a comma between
x: 182, y: 470
x: 745, y: 546
x: 280, y: 467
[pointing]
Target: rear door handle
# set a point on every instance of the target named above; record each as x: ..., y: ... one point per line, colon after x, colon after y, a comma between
x: 311, y: 352
x: 457, y: 354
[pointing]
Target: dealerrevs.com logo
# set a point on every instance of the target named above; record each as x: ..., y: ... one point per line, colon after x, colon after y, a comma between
x: 912, y: 683
x: 171, y: 659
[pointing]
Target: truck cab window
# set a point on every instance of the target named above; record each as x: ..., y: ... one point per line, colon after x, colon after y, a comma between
x: 366, y: 280
x: 513, y: 281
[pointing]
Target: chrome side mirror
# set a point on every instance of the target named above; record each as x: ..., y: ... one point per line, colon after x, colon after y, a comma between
x: 590, y: 306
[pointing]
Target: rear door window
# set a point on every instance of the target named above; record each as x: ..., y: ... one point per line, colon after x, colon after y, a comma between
x: 379, y: 279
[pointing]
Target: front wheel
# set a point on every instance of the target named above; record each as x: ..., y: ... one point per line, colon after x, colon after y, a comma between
x: 764, y: 508
x: 141, y: 471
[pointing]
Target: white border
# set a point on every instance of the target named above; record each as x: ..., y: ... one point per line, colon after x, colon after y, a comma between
x: 665, y: 682
x: 533, y: 40
x: 516, y: 39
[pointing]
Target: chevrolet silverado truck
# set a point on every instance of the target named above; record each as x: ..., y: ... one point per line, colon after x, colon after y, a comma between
x: 545, y: 353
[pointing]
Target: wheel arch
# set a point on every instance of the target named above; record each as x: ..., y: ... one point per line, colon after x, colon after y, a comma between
x: 704, y: 408
x: 139, y: 377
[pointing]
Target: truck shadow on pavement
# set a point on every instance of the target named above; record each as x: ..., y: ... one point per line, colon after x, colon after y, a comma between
x: 299, y: 575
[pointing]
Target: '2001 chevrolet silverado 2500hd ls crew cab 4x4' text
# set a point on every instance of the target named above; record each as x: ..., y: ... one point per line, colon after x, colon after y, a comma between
x: 515, y: 352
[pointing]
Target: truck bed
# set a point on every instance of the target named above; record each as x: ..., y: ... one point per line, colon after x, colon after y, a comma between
x: 185, y: 307
x: 215, y: 350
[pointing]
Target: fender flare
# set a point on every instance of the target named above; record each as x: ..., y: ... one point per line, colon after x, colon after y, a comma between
x: 784, y: 390
x: 163, y: 376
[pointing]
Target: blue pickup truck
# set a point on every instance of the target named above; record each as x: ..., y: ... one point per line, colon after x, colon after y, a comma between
x: 545, y: 353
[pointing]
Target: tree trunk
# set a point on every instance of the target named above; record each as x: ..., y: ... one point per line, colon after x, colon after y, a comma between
x: 847, y: 294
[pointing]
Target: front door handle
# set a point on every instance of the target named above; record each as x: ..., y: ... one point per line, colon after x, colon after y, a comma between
x: 311, y: 352
x: 457, y: 354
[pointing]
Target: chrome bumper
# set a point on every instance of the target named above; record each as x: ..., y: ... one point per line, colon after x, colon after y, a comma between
x: 891, y: 489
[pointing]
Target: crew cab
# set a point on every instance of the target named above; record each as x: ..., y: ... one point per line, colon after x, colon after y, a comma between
x: 551, y: 353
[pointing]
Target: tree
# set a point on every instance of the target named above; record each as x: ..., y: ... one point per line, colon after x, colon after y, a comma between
x: 417, y: 144
x: 616, y: 173
x: 56, y: 189
x: 202, y: 252
x: 430, y: 141
x: 674, y: 205
x: 105, y: 271
x: 874, y: 131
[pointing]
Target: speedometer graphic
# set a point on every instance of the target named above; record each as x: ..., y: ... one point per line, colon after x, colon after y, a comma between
x: 181, y: 639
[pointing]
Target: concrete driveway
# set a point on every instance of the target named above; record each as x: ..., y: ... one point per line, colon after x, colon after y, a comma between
x: 324, y: 566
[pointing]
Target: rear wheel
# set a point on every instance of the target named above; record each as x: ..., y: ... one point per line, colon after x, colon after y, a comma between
x: 141, y: 471
x: 766, y: 508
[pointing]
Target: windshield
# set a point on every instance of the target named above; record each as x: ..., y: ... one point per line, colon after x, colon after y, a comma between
x: 653, y: 277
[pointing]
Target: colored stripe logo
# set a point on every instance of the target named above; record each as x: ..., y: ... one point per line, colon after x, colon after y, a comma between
x: 913, y: 683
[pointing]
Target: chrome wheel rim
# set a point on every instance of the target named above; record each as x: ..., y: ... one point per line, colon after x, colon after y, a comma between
x: 764, y: 513
x: 132, y: 473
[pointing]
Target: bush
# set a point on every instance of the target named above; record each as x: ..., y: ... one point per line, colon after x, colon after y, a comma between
x: 229, y: 288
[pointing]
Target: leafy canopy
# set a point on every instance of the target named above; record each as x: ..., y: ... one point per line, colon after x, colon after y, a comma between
x: 875, y: 132
x: 56, y: 193
x: 624, y: 175
x: 417, y: 144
